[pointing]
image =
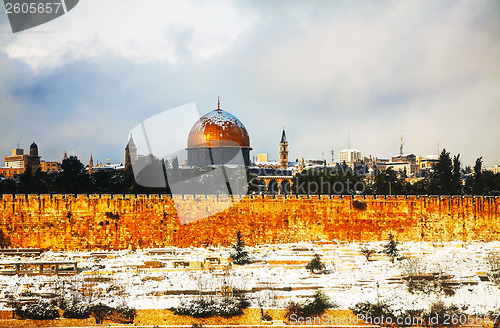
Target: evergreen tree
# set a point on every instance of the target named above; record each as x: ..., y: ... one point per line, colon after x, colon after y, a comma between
x: 387, y: 183
x: 391, y: 248
x: 73, y: 179
x: 477, y: 185
x: 240, y: 255
x: 456, y: 188
x: 315, y: 264
x: 7, y: 186
x: 491, y: 183
x: 441, y: 178
x: 30, y: 183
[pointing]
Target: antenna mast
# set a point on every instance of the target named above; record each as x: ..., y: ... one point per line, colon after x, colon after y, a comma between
x: 401, y: 145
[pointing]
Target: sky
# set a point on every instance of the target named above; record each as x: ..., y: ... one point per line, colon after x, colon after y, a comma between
x: 323, y: 70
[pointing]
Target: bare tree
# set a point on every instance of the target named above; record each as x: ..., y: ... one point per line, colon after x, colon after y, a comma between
x: 266, y: 297
x: 367, y: 252
x: 420, y: 278
x: 493, y: 263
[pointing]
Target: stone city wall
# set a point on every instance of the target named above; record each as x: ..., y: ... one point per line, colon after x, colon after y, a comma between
x: 87, y: 222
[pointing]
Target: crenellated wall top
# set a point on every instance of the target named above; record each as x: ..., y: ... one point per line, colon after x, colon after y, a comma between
x: 156, y: 197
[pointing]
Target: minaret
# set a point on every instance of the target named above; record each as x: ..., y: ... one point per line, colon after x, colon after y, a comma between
x: 130, y: 152
x: 65, y: 156
x: 283, y: 150
x: 91, y: 164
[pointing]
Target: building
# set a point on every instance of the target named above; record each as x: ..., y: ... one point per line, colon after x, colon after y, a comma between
x: 495, y: 169
x: 11, y: 172
x: 262, y: 158
x: 217, y: 138
x: 400, y: 167
x: 50, y: 167
x: 18, y: 162
x: 349, y: 155
x: 100, y: 167
x: 427, y: 162
x: 410, y: 158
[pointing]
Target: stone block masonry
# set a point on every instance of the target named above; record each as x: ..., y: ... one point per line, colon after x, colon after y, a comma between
x: 89, y: 222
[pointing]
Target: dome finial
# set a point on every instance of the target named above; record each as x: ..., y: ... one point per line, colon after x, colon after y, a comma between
x: 218, y: 103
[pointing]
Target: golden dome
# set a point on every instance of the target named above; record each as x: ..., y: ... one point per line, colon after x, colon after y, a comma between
x: 218, y: 129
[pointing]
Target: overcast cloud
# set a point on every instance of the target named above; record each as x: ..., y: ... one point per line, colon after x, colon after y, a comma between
x: 80, y: 83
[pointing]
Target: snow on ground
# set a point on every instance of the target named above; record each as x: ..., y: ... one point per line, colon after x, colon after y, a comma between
x: 276, y: 276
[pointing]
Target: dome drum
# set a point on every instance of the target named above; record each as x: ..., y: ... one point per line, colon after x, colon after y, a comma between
x: 218, y: 156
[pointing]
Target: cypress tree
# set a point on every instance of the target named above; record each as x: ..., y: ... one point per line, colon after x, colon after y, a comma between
x: 391, y: 248
x: 456, y: 179
x: 478, y: 185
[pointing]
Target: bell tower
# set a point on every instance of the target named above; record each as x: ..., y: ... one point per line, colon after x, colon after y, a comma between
x: 33, y: 158
x: 283, y: 150
x: 130, y: 152
x: 91, y: 164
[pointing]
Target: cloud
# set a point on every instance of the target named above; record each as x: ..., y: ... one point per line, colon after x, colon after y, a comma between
x: 317, y: 68
x: 141, y: 32
x: 371, y: 69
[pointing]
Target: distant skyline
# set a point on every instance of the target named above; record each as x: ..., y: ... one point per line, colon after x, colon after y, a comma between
x: 80, y: 83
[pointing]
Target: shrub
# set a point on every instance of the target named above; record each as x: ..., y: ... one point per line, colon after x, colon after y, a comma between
x: 365, y: 310
x: 39, y: 311
x: 77, y: 311
x: 315, y: 264
x: 201, y: 308
x: 294, y: 308
x: 381, y: 313
x: 413, y: 318
x: 27, y: 293
x: 100, y: 311
x: 438, y: 313
x: 267, y: 317
x: 318, y: 305
x: 493, y: 316
x: 123, y: 314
